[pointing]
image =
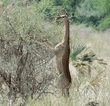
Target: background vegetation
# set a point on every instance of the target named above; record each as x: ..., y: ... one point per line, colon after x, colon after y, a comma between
x: 93, y: 13
x: 27, y: 77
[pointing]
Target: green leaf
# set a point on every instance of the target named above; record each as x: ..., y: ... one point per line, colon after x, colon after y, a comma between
x: 76, y: 52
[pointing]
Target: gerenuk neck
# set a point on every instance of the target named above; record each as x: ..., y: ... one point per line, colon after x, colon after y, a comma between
x: 67, y: 32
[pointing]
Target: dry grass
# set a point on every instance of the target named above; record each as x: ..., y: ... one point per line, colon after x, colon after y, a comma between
x: 100, y: 44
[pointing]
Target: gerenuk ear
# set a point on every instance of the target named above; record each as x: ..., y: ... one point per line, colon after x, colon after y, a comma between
x: 66, y: 14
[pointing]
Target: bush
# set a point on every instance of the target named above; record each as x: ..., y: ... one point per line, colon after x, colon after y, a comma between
x: 104, y: 23
x: 23, y: 59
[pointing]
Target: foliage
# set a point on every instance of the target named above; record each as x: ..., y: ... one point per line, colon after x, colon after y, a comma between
x: 102, y: 5
x: 104, y: 23
x: 89, y: 12
x: 93, y: 13
x: 76, y: 52
x: 51, y: 8
x: 87, y: 8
